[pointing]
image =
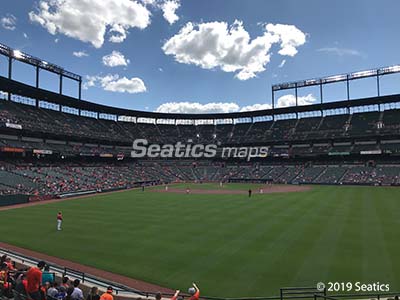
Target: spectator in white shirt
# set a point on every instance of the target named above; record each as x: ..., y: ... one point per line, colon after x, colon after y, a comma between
x: 77, y: 293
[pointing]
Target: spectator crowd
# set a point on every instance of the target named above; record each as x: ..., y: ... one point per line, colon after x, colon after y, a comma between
x: 38, y: 283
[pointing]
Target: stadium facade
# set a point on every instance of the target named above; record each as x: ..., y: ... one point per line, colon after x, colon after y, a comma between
x: 53, y: 144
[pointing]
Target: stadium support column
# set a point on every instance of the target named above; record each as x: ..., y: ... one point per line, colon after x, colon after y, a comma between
x: 273, y: 98
x: 61, y: 83
x: 37, y: 77
x: 321, y: 95
x: 296, y: 95
x: 10, y: 67
x: 37, y: 84
x: 378, y: 89
x: 80, y: 89
x: 378, y: 86
x: 348, y: 92
x: 273, y: 102
x: 9, y: 73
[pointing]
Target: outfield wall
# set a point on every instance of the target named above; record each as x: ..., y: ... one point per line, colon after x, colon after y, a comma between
x: 6, y: 200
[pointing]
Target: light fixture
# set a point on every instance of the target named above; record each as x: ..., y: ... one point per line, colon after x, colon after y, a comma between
x: 17, y: 54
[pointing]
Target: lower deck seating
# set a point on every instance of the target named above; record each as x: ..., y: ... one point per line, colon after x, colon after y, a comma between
x: 55, y: 179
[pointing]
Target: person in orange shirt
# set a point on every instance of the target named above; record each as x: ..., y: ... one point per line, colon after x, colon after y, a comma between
x: 174, y: 297
x: 194, y: 292
x: 107, y: 295
x: 34, y: 278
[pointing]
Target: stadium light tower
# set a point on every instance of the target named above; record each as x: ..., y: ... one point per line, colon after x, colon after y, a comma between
x: 377, y: 73
x: 39, y: 64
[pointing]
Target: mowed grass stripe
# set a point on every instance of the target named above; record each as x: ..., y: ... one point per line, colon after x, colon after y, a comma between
x: 232, y: 245
x: 294, y: 241
x: 327, y: 227
x: 375, y: 256
x: 252, y: 237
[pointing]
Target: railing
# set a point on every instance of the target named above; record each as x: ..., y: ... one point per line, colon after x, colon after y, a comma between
x: 74, y: 273
x: 357, y: 296
x: 310, y: 293
x: 300, y: 292
x: 64, y: 271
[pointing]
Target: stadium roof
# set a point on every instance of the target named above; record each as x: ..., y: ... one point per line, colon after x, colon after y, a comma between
x: 18, y: 88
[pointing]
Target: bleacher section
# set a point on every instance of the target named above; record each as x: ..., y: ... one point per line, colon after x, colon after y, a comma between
x: 62, y: 178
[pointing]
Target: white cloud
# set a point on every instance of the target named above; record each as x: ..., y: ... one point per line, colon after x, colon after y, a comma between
x: 8, y: 22
x: 290, y: 38
x: 290, y: 100
x: 90, y: 20
x: 283, y: 62
x: 118, y: 34
x: 169, y: 7
x: 197, y: 108
x: 90, y: 82
x: 149, y: 2
x: 124, y: 85
x: 256, y: 107
x: 230, y: 48
x: 115, y: 59
x: 114, y: 83
x: 56, y: 41
x: 80, y: 53
x: 340, y: 51
x: 228, y: 107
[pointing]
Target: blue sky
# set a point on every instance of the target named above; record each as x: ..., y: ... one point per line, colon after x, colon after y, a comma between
x: 162, y: 64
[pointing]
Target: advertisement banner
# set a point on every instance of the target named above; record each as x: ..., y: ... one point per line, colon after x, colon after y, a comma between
x: 40, y: 151
x: 12, y: 149
x: 14, y: 126
x: 371, y: 152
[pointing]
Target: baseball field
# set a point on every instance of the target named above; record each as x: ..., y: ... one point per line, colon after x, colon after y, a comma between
x: 228, y: 243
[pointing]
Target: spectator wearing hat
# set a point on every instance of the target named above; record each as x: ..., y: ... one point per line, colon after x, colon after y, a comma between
x: 34, y: 277
x: 77, y: 293
x: 108, y: 294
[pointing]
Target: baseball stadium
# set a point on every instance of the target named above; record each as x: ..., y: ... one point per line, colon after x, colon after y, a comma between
x: 287, y: 202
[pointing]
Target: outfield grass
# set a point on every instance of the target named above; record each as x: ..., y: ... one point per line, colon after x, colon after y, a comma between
x: 230, y: 245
